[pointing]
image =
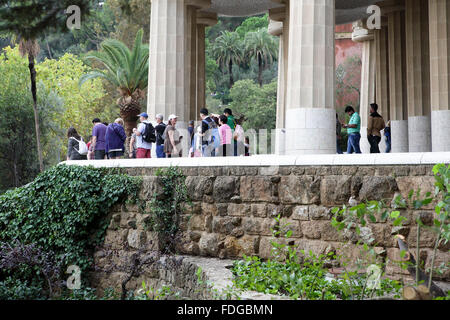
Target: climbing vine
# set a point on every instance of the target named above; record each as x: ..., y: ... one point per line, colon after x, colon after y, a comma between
x: 64, y: 211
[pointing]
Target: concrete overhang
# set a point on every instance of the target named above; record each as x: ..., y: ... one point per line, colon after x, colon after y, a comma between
x: 347, y: 11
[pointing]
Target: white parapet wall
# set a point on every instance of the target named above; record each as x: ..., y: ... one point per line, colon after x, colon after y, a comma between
x: 274, y: 160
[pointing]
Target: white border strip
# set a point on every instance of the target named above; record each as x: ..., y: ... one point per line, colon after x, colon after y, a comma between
x: 274, y: 160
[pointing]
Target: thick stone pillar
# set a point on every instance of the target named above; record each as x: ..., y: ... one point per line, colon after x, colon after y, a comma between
x: 310, y: 104
x: 397, y: 81
x: 191, y: 61
x: 204, y: 19
x: 382, y: 72
x: 418, y: 76
x: 439, y: 17
x: 167, y: 80
x: 279, y: 26
x: 366, y: 37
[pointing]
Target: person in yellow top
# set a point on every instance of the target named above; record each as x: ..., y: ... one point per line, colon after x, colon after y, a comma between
x: 374, y: 127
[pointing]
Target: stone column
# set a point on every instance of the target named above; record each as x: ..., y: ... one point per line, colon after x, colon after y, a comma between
x: 439, y: 17
x: 310, y: 104
x: 418, y: 76
x: 279, y: 26
x: 382, y: 72
x: 397, y: 81
x: 204, y: 19
x: 361, y: 34
x: 191, y: 61
x: 167, y: 81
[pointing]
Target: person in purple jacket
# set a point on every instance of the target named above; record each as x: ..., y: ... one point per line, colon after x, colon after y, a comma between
x: 98, y: 139
x: 115, y: 138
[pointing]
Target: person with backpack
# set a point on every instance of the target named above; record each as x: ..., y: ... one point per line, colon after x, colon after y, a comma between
x: 172, y: 140
x: 115, y: 138
x: 145, y: 136
x: 160, y: 128
x: 77, y: 148
x: 209, y: 133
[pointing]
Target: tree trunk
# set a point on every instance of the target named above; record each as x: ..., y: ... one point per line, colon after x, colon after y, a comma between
x: 260, y: 70
x: 36, y: 113
x: 230, y: 70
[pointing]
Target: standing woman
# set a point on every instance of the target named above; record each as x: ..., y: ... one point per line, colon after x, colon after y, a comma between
x: 225, y: 133
x: 172, y: 140
x: 74, y: 145
x: 374, y: 127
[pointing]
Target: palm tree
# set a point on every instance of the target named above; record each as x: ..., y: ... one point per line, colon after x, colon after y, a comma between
x: 27, y: 21
x: 263, y: 47
x: 125, y: 69
x: 227, y: 50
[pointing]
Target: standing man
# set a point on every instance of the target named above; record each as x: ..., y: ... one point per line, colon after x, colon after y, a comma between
x: 144, y: 148
x: 374, y: 127
x: 206, y: 133
x: 353, y: 129
x: 159, y: 129
x: 338, y: 134
x: 115, y: 138
x: 98, y: 139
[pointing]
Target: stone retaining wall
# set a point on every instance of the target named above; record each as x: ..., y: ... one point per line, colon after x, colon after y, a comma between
x: 233, y: 210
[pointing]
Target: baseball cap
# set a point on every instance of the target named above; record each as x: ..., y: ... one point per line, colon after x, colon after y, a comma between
x: 143, y: 114
x: 172, y: 116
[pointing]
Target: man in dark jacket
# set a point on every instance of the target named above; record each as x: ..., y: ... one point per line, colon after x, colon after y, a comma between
x: 115, y: 138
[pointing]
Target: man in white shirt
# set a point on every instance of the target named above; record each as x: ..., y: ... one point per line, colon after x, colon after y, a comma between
x: 143, y: 148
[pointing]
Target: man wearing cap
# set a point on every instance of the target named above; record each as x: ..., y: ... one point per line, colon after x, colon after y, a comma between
x: 144, y: 148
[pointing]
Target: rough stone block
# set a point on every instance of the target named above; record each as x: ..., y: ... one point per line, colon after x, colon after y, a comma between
x: 151, y: 186
x: 209, y: 244
x: 377, y: 188
x: 258, y: 226
x: 225, y: 188
x: 136, y: 239
x: 327, y: 231
x: 424, y: 183
x: 311, y: 229
x: 427, y: 238
x: 253, y: 189
x: 292, y: 225
x: 235, y: 209
x: 259, y: 210
x: 225, y: 225
x: 198, y: 186
x: 335, y: 190
x: 301, y: 213
x: 299, y: 190
x: 319, y: 213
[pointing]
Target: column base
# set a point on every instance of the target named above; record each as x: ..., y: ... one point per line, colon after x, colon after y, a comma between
x: 419, y: 134
x: 440, y: 124
x: 399, y: 136
x: 310, y: 131
x: 365, y: 145
x: 280, y: 142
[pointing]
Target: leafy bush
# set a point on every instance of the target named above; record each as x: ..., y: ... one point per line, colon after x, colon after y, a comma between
x: 64, y: 211
x: 165, y: 208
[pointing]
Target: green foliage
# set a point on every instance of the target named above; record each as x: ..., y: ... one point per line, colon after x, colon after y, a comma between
x: 124, y: 68
x: 64, y: 211
x: 48, y: 15
x: 165, y: 208
x: 258, y: 104
x: 17, y: 135
x: 253, y: 24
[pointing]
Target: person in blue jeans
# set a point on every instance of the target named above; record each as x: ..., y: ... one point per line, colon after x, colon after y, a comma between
x: 353, y: 129
x: 159, y: 130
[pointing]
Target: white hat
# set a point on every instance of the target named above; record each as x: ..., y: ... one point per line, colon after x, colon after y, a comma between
x: 172, y: 116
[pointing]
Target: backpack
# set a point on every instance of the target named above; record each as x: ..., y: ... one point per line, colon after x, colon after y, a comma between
x: 213, y: 136
x: 82, y: 147
x: 149, y: 133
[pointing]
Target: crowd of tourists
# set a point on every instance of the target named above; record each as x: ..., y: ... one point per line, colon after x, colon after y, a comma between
x: 216, y: 136
x: 375, y: 125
